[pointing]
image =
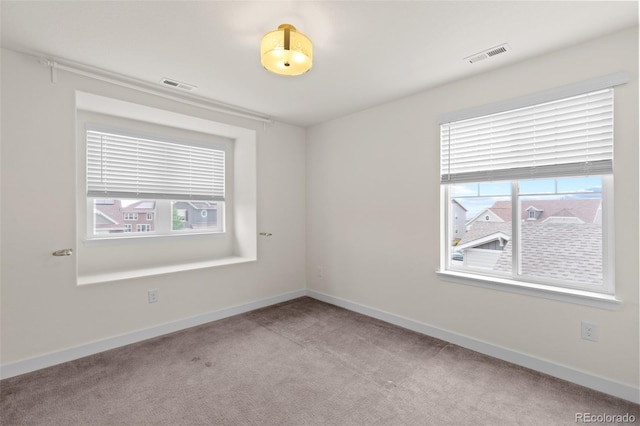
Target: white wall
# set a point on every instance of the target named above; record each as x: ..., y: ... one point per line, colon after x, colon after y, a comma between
x: 373, y: 217
x: 372, y: 220
x: 43, y: 310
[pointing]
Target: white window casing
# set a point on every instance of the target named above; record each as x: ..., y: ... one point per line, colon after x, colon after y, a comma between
x: 566, y: 132
x: 107, y: 257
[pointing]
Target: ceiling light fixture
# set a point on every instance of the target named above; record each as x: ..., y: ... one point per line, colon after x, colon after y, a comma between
x: 285, y: 51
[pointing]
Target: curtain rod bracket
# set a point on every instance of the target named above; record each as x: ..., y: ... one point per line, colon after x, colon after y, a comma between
x: 52, y: 65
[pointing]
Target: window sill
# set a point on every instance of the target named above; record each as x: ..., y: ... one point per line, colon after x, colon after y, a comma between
x: 582, y: 297
x: 149, y: 238
x: 160, y: 270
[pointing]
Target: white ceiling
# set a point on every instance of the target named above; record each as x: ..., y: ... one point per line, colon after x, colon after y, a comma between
x: 365, y: 53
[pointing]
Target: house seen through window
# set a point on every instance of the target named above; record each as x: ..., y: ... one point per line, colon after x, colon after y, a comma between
x: 559, y: 229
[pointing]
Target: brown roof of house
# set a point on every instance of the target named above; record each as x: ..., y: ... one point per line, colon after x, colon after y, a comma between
x: 585, y: 209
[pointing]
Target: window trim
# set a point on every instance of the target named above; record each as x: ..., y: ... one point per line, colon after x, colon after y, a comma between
x: 161, y: 230
x: 581, y: 297
x: 542, y: 288
x: 608, y: 259
x: 606, y: 300
x: 240, y: 242
x: 593, y: 84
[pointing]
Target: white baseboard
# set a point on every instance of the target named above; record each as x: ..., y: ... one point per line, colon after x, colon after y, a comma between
x: 563, y: 372
x: 601, y: 384
x: 69, y: 354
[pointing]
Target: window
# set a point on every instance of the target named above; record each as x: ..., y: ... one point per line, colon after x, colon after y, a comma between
x: 203, y: 216
x: 134, y: 179
x: 114, y: 255
x: 143, y: 227
x: 536, y: 185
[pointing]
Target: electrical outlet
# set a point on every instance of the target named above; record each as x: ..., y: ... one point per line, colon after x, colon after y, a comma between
x: 589, y: 331
x: 153, y: 295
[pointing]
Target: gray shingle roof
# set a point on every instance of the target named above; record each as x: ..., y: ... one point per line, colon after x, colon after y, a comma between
x: 482, y: 229
x: 561, y: 251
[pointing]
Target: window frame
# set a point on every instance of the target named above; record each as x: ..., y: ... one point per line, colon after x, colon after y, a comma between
x: 113, y: 260
x: 571, y: 295
x: 162, y: 214
x: 514, y: 278
x: 141, y: 226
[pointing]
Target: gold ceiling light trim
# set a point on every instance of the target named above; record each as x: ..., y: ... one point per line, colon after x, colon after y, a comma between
x: 286, y: 51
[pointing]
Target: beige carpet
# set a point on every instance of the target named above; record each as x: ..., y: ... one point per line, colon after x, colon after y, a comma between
x: 301, y: 362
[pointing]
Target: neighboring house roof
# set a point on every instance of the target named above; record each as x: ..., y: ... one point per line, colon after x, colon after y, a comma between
x: 138, y: 206
x: 585, y: 209
x: 109, y: 209
x: 549, y: 244
x: 564, y: 215
x: 503, y: 212
x: 495, y: 214
x: 456, y: 202
x: 107, y: 219
x: 498, y: 236
x: 481, y: 232
x: 203, y: 205
x: 549, y: 251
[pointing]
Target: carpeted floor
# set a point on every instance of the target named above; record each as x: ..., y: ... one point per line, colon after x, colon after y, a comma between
x: 302, y: 362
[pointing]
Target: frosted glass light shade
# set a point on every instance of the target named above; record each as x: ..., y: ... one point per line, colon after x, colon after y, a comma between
x: 285, y: 51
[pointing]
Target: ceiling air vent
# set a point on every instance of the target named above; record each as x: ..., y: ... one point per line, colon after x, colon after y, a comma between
x: 177, y: 84
x: 494, y: 51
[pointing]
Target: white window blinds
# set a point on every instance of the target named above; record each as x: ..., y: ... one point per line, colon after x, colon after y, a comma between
x: 121, y: 166
x: 567, y: 137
